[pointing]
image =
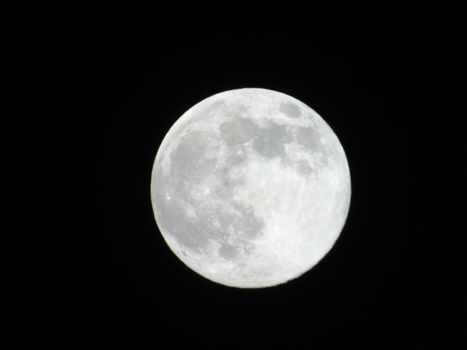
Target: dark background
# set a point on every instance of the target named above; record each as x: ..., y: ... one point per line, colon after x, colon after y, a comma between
x: 88, y: 96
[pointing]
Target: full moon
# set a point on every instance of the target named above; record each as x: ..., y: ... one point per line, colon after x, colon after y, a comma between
x: 250, y: 188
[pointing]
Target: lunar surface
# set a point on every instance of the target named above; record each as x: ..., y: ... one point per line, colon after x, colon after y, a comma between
x: 250, y: 188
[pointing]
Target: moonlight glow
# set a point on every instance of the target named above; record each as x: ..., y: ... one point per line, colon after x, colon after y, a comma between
x: 250, y: 188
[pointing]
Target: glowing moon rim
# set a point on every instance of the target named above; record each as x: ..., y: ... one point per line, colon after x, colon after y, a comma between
x: 250, y: 188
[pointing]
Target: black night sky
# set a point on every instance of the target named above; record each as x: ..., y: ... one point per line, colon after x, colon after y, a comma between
x: 90, y: 94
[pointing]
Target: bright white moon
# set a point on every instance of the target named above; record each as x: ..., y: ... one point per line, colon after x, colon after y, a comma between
x: 250, y: 188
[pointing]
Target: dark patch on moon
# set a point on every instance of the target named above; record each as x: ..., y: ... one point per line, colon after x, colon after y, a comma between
x: 208, y: 112
x: 242, y: 108
x: 228, y: 251
x: 188, y: 167
x: 303, y: 167
x: 248, y: 225
x: 290, y: 110
x: 236, y: 158
x: 195, y: 233
x: 187, y: 162
x: 269, y: 141
x: 179, y: 226
x: 237, y: 130
x: 309, y: 138
x: 225, y: 186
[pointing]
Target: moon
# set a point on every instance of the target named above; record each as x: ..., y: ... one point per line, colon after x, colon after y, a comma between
x: 250, y: 188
